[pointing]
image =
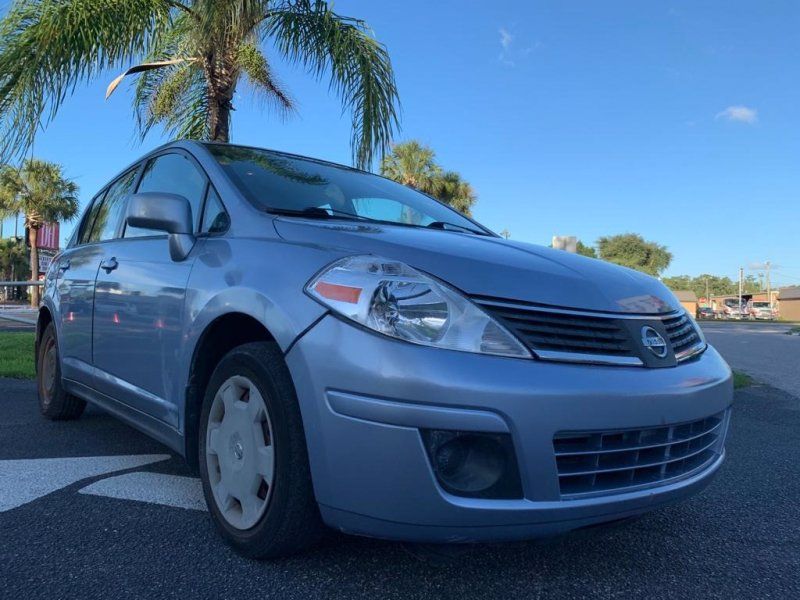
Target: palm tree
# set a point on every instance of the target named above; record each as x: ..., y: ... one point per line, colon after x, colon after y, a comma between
x: 196, y: 54
x: 451, y: 189
x: 411, y: 164
x: 414, y: 165
x: 40, y: 191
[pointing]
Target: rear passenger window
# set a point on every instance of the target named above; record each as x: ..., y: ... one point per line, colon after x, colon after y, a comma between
x: 215, y: 219
x: 172, y: 174
x: 109, y: 215
x: 88, y: 220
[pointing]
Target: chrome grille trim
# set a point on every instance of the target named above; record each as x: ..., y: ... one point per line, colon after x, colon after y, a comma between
x: 592, y: 359
x: 489, y: 301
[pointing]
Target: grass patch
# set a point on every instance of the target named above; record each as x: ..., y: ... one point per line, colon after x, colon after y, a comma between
x: 16, y: 354
x: 741, y: 380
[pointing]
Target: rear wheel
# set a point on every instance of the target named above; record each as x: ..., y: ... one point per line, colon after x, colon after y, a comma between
x: 253, y: 458
x: 54, y: 402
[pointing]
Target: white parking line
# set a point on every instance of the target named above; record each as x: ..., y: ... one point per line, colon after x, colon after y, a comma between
x: 25, y: 480
x: 154, y: 488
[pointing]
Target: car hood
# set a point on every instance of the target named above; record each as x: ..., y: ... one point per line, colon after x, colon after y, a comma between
x: 495, y: 267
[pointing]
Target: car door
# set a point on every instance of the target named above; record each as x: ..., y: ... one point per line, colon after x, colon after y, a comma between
x: 139, y: 300
x: 76, y: 270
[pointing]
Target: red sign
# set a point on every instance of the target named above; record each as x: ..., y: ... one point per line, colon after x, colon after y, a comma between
x: 49, y: 236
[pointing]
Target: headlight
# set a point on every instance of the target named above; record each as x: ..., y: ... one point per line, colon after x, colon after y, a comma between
x: 394, y: 299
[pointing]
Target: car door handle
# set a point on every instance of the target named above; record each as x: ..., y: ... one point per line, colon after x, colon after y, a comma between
x: 109, y: 264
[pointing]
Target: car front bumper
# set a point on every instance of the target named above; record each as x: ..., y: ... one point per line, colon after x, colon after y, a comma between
x: 365, y: 397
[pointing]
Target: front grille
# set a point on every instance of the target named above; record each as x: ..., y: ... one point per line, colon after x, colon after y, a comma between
x: 682, y: 333
x: 602, y: 462
x: 564, y: 332
x: 590, y: 337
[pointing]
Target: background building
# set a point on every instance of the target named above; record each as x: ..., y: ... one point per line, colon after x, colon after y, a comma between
x: 789, y: 303
x: 688, y: 300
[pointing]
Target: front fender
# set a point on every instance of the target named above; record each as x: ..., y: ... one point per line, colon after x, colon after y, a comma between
x: 261, y: 278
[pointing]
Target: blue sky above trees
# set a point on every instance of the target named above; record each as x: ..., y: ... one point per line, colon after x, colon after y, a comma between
x: 675, y: 120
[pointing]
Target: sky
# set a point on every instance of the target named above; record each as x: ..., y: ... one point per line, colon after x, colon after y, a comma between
x: 679, y: 121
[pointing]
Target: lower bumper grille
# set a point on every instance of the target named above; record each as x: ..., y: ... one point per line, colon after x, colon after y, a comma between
x: 601, y: 462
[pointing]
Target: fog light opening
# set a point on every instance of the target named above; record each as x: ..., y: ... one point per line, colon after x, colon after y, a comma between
x: 474, y: 464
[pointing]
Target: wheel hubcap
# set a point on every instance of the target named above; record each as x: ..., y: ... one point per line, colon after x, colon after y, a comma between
x: 240, y: 456
x: 49, y: 369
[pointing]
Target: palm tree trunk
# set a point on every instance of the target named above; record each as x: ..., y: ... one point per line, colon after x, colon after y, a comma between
x: 221, y: 75
x: 33, y: 237
x: 219, y: 117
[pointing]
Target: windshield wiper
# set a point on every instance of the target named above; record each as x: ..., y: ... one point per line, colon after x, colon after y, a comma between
x: 316, y: 212
x: 446, y: 225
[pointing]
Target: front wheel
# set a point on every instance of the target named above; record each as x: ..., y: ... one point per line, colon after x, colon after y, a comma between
x: 54, y: 402
x: 253, y: 457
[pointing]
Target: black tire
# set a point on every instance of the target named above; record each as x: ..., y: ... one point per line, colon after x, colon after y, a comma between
x: 291, y: 522
x: 54, y: 402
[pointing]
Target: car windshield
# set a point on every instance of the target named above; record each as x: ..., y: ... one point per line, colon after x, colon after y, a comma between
x: 286, y: 184
x: 760, y: 304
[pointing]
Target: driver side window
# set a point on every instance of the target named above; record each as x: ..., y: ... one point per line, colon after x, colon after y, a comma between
x: 172, y: 174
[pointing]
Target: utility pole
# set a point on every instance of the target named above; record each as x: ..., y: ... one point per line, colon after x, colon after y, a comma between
x: 741, y: 284
x: 708, y: 297
x: 769, y: 285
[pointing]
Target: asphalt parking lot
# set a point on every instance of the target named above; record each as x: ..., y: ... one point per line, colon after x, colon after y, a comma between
x: 762, y: 350
x: 92, y: 508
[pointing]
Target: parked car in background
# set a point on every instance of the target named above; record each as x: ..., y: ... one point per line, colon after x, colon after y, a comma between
x: 329, y: 347
x: 706, y: 312
x: 732, y: 309
x: 761, y: 310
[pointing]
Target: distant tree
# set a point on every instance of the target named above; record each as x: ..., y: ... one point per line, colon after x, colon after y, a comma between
x: 632, y: 250
x: 585, y: 250
x: 681, y: 282
x: 751, y: 284
x: 13, y: 259
x: 717, y: 286
x: 411, y: 164
x: 451, y: 189
x: 40, y: 191
x: 414, y: 165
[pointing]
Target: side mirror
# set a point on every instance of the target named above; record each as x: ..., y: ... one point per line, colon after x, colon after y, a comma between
x: 164, y: 212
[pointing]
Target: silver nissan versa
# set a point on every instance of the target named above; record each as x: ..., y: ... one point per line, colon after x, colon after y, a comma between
x: 329, y: 347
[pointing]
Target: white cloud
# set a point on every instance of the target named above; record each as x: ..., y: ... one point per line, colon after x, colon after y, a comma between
x: 741, y: 114
x: 506, y: 38
x: 510, y: 49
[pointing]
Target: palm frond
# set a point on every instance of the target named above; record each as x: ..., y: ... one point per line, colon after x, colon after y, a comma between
x: 450, y: 188
x: 309, y: 33
x: 174, y: 97
x: 47, y: 47
x: 148, y: 66
x: 254, y: 64
x: 412, y: 164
